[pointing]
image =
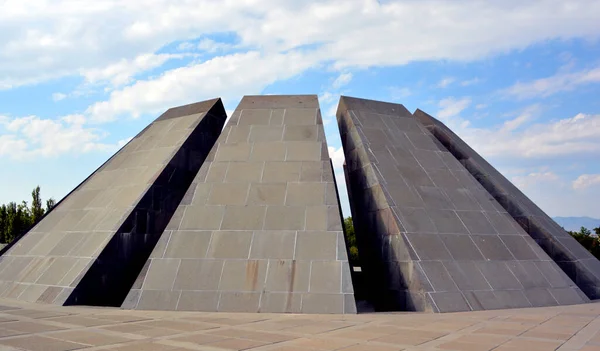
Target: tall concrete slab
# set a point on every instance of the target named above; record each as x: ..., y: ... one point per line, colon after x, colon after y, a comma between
x: 580, y: 265
x: 91, y: 246
x: 260, y: 228
x: 430, y: 237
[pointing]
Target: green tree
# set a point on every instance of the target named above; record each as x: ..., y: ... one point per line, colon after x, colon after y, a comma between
x: 597, y: 231
x: 16, y: 219
x: 584, y: 231
x: 351, y: 240
x: 50, y: 203
x: 3, y: 224
x: 11, y: 221
x: 589, y: 242
x: 37, y: 211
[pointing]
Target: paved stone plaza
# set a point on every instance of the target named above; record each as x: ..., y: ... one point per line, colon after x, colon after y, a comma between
x: 39, y: 327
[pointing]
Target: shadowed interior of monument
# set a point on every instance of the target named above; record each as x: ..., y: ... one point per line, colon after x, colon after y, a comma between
x: 372, y: 284
x: 114, y: 272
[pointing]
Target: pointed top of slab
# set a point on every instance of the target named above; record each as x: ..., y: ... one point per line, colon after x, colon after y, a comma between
x: 278, y: 102
x: 385, y: 108
x: 191, y: 109
x: 427, y: 120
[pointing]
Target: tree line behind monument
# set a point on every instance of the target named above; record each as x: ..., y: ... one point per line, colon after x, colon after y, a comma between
x: 17, y: 218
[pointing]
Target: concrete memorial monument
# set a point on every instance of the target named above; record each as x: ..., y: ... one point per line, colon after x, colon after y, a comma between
x: 91, y: 246
x: 430, y: 237
x: 260, y: 228
x: 189, y: 216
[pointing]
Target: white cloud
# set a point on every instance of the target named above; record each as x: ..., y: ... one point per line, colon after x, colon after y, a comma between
x: 466, y: 83
x: 122, y: 72
x: 10, y: 145
x: 33, y: 136
x: 341, y: 80
x: 122, y: 142
x: 206, y: 44
x: 211, y: 46
x: 326, y: 97
x: 525, y: 116
x: 566, y: 137
x: 238, y: 74
x: 554, y: 193
x: 186, y: 46
x: 526, y: 181
x: 337, y: 157
x: 562, y: 81
x: 445, y: 82
x: 58, y: 96
x: 74, y: 119
x: 480, y: 106
x: 45, y: 40
x: 398, y: 93
x: 585, y: 181
x: 451, y: 107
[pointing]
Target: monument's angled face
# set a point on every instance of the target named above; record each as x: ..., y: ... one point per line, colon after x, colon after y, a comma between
x: 430, y: 237
x: 579, y: 264
x: 260, y: 229
x: 85, y: 250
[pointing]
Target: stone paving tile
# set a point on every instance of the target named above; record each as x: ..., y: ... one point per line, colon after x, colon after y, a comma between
x: 566, y: 328
x: 529, y: 345
x: 371, y: 347
x: 252, y: 335
x: 199, y: 339
x: 287, y: 348
x: 358, y: 335
x: 40, y: 343
x: 318, y: 328
x: 178, y: 325
x: 35, y: 313
x: 30, y: 327
x: 464, y: 346
x: 237, y: 344
x: 322, y: 343
x: 410, y: 337
x: 8, y: 332
x: 143, y: 346
x: 81, y: 321
x: 122, y: 318
x: 447, y: 326
x: 474, y: 342
x: 555, y: 335
x: 596, y: 338
x: 7, y: 319
x: 92, y: 338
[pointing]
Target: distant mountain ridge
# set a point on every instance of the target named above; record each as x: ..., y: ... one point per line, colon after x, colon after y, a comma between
x: 575, y: 223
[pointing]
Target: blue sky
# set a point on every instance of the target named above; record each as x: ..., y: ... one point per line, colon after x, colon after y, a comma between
x: 519, y: 81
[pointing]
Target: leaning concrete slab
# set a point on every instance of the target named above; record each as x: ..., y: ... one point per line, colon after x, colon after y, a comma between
x: 580, y: 265
x: 430, y: 236
x: 91, y: 246
x: 260, y: 228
